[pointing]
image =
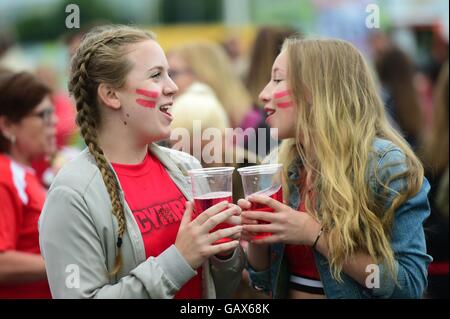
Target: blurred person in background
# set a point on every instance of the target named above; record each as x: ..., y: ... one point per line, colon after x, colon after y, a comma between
x: 396, y: 73
x: 64, y: 107
x: 233, y: 48
x: 12, y: 56
x: 207, y: 62
x: 5, y: 43
x: 73, y: 38
x: 430, y: 72
x: 27, y: 133
x: 435, y: 156
x: 379, y: 42
x: 199, y: 103
x: 66, y: 130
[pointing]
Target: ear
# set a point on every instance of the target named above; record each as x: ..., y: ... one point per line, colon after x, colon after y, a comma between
x: 108, y: 96
x: 6, y: 127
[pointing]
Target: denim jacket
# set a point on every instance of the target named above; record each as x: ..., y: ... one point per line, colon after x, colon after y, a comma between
x: 408, y: 239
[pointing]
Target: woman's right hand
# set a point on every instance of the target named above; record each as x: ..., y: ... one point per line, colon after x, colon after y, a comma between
x: 195, y: 242
x: 257, y: 255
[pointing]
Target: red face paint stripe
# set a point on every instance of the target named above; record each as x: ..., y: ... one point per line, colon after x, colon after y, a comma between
x: 146, y: 103
x: 279, y: 95
x: 282, y: 105
x: 146, y: 93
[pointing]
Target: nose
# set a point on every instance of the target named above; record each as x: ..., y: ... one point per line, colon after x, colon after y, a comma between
x: 55, y: 119
x: 265, y: 94
x: 170, y: 88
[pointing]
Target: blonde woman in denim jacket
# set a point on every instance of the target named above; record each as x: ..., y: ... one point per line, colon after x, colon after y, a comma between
x: 362, y: 189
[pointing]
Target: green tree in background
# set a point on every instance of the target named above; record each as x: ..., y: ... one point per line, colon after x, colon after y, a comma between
x: 183, y: 11
x: 52, y: 25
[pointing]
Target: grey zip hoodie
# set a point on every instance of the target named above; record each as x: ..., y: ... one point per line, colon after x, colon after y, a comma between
x: 78, y: 235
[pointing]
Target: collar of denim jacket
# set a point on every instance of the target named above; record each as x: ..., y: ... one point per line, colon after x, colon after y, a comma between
x: 293, y: 169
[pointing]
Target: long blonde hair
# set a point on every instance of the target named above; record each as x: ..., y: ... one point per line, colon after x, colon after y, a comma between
x: 100, y: 58
x: 339, y: 114
x: 211, y: 65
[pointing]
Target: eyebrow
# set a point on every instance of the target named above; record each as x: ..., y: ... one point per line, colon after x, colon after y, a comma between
x: 154, y: 68
x: 276, y: 70
x: 159, y: 67
x: 47, y: 106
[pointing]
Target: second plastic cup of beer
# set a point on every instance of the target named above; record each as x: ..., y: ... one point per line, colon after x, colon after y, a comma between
x: 262, y: 180
x: 211, y: 186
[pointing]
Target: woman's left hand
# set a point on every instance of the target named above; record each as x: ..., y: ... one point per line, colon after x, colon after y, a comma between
x: 235, y: 220
x: 286, y: 224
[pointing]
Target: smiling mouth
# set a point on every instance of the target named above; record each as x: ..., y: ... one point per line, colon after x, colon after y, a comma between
x: 269, y: 112
x: 165, y: 108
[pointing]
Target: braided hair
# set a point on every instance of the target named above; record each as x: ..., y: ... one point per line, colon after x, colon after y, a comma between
x: 100, y: 58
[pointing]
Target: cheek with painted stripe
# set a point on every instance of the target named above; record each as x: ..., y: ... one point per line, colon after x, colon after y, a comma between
x: 147, y: 98
x: 282, y: 99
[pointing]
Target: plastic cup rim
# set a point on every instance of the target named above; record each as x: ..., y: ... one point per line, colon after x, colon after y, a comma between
x: 260, y: 169
x: 211, y: 171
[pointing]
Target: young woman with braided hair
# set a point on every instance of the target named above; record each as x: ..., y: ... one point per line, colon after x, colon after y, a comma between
x: 148, y: 247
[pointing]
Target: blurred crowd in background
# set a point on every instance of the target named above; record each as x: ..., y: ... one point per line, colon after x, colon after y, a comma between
x: 221, y: 54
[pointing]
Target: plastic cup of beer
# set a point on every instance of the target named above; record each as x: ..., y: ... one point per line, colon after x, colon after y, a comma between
x: 262, y: 180
x: 211, y: 186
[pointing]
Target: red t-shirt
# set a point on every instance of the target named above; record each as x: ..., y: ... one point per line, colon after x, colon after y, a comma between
x: 300, y: 258
x: 158, y: 206
x: 21, y: 200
